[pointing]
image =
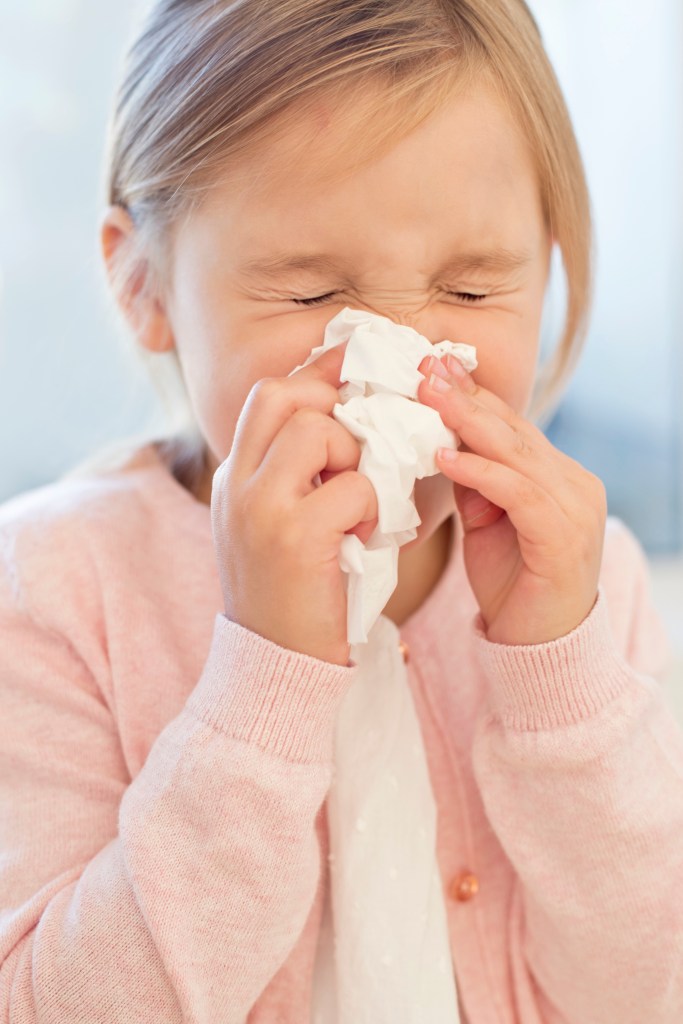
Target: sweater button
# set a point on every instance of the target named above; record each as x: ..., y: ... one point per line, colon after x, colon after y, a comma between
x: 405, y: 651
x: 464, y: 886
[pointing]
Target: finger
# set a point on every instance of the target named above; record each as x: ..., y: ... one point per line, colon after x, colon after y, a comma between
x: 363, y: 530
x: 456, y: 373
x: 531, y: 509
x: 474, y: 509
x: 342, y: 504
x: 272, y: 400
x: 327, y: 366
x: 452, y: 371
x: 308, y: 443
x: 482, y: 431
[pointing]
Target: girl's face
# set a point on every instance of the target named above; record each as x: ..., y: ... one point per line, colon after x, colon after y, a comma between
x: 451, y: 212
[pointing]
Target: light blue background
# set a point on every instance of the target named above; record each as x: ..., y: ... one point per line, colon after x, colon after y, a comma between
x: 620, y: 64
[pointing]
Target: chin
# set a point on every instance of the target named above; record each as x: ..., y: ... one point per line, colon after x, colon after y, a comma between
x: 435, y: 502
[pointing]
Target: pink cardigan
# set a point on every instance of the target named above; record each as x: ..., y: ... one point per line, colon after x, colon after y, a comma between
x: 163, y: 774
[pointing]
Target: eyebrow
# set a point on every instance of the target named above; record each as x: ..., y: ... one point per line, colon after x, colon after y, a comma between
x: 280, y: 265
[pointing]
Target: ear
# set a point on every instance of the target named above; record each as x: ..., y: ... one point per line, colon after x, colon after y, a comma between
x: 131, y: 280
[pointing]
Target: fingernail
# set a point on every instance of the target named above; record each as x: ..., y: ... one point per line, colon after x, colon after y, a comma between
x: 436, y: 366
x: 474, y: 507
x: 439, y: 384
x: 456, y: 368
x: 448, y: 454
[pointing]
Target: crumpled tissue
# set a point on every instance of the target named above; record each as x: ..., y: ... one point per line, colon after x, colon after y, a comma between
x: 398, y: 438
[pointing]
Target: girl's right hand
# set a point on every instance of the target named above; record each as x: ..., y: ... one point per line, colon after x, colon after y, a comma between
x: 277, y: 535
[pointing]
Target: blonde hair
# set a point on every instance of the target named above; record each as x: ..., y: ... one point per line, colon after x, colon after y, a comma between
x: 206, y: 81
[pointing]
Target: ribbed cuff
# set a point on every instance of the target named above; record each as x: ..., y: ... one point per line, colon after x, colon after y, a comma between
x: 284, y: 701
x: 542, y: 686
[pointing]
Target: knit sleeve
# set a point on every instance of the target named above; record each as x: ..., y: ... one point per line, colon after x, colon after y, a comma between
x: 178, y: 895
x: 580, y: 764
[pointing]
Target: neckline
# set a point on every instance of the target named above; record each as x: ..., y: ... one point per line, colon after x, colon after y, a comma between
x: 148, y: 459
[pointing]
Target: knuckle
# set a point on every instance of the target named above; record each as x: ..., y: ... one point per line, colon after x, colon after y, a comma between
x: 361, y: 483
x: 537, y: 435
x: 307, y: 419
x: 527, y: 491
x: 520, y: 445
x: 286, y: 393
x: 264, y: 390
x: 472, y: 410
x: 594, y: 501
x: 473, y: 389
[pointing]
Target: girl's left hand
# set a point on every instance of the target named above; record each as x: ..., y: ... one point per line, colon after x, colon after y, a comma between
x: 533, y: 518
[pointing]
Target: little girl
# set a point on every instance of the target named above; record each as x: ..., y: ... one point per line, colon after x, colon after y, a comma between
x: 174, y: 651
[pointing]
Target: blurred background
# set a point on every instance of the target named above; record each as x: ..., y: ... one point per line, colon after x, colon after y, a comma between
x: 69, y: 384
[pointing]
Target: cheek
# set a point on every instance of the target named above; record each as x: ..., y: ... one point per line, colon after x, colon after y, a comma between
x: 216, y: 405
x: 218, y: 381
x: 508, y: 369
x: 227, y: 376
x: 513, y: 383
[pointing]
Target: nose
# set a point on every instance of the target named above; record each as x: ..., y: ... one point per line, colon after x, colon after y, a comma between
x: 421, y: 315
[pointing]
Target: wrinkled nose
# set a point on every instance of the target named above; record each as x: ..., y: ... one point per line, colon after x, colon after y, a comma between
x: 422, y: 316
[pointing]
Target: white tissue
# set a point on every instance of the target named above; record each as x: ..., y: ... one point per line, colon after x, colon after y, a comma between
x: 398, y: 437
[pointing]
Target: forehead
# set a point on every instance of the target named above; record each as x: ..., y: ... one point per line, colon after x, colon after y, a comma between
x: 466, y: 166
x: 338, y: 130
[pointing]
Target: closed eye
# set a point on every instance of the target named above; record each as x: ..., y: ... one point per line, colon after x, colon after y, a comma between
x: 319, y: 300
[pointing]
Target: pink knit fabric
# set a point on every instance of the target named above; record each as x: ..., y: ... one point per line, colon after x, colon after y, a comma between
x: 163, y: 774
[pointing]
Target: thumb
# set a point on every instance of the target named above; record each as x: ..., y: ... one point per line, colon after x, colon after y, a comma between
x: 475, y: 510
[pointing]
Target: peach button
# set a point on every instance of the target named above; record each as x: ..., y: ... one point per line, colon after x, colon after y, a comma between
x: 464, y: 886
x: 405, y: 651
